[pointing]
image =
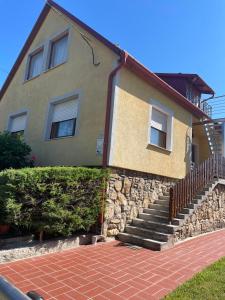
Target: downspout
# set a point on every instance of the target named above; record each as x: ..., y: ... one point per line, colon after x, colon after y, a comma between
x: 122, y: 62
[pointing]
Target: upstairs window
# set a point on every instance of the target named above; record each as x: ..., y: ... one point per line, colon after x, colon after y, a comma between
x: 64, y: 116
x: 158, y: 128
x: 58, y: 51
x: 17, y: 124
x: 35, y: 64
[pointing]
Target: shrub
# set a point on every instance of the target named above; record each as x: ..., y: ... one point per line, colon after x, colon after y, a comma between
x: 55, y: 200
x: 13, y: 152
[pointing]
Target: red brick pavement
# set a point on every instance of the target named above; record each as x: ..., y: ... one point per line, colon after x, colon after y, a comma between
x: 115, y: 272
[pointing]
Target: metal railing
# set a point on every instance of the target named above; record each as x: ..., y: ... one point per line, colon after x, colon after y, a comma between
x: 183, y: 192
x: 9, y: 292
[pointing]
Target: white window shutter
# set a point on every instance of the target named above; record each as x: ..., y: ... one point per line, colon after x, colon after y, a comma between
x: 18, y: 123
x: 159, y: 120
x: 65, y: 111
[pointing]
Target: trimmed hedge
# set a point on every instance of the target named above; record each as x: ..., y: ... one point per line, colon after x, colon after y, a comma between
x: 54, y: 200
x: 14, y: 152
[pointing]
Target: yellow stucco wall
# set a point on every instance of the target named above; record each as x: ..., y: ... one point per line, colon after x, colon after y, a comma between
x: 77, y: 73
x: 201, y: 141
x: 130, y: 147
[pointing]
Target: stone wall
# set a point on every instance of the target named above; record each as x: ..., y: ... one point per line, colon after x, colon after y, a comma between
x: 209, y: 216
x: 128, y: 192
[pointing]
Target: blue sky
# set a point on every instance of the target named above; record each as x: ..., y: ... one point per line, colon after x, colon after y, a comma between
x: 165, y: 35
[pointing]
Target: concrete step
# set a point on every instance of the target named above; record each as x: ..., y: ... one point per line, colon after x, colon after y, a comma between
x: 159, y: 207
x: 162, y: 202
x: 192, y: 205
x: 156, y: 212
x: 143, y: 242
x: 177, y: 221
x: 155, y: 218
x: 164, y: 197
x: 182, y: 216
x: 165, y: 228
x: 197, y: 201
x: 150, y: 234
x: 187, y: 211
x: 199, y: 196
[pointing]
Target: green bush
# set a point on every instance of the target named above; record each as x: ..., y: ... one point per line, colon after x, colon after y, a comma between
x: 54, y: 200
x: 13, y: 152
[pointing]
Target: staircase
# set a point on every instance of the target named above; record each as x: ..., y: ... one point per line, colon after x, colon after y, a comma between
x: 215, y: 134
x: 151, y: 229
x: 155, y: 227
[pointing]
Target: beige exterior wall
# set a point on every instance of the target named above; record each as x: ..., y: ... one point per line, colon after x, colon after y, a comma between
x: 201, y: 142
x: 35, y: 95
x: 130, y: 148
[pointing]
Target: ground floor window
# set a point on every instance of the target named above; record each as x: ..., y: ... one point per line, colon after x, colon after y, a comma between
x: 64, y: 116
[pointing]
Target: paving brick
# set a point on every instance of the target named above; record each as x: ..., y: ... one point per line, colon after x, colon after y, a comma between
x: 114, y: 272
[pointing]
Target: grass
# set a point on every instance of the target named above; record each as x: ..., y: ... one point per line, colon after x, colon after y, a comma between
x: 208, y: 284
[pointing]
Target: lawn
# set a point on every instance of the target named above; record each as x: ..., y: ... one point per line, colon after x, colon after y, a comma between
x: 208, y: 284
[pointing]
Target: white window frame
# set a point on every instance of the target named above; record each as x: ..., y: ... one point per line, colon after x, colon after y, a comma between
x: 32, y: 53
x: 15, y: 115
x: 51, y: 40
x: 170, y: 120
x: 57, y: 100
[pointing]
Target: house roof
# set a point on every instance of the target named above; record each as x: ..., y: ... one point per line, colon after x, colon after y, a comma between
x: 198, y: 82
x: 131, y: 62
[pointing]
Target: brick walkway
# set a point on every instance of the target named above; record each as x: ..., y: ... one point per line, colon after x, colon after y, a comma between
x: 112, y: 271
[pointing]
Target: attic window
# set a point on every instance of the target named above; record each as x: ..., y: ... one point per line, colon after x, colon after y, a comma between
x: 58, y: 51
x: 35, y: 64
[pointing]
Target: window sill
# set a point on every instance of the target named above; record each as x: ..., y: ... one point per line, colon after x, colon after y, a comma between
x: 52, y: 68
x: 160, y: 148
x: 60, y: 138
x: 30, y: 79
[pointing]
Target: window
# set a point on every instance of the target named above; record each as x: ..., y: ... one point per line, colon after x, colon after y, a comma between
x: 64, y: 116
x: 58, y: 51
x: 35, y: 64
x: 158, y: 128
x: 17, y: 124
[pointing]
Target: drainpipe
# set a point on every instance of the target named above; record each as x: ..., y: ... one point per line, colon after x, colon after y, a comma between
x: 122, y: 61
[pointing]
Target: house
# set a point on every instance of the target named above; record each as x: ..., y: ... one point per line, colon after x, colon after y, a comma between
x: 80, y: 100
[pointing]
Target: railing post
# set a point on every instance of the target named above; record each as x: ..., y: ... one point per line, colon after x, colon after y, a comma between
x: 171, y: 204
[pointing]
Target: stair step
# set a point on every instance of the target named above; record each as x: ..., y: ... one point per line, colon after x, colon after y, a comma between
x: 155, y: 218
x: 196, y: 201
x: 156, y: 212
x: 182, y: 216
x: 150, y: 234
x: 162, y: 202
x: 159, y: 207
x: 177, y: 221
x: 192, y: 205
x: 161, y: 227
x: 143, y: 242
x: 164, y: 197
